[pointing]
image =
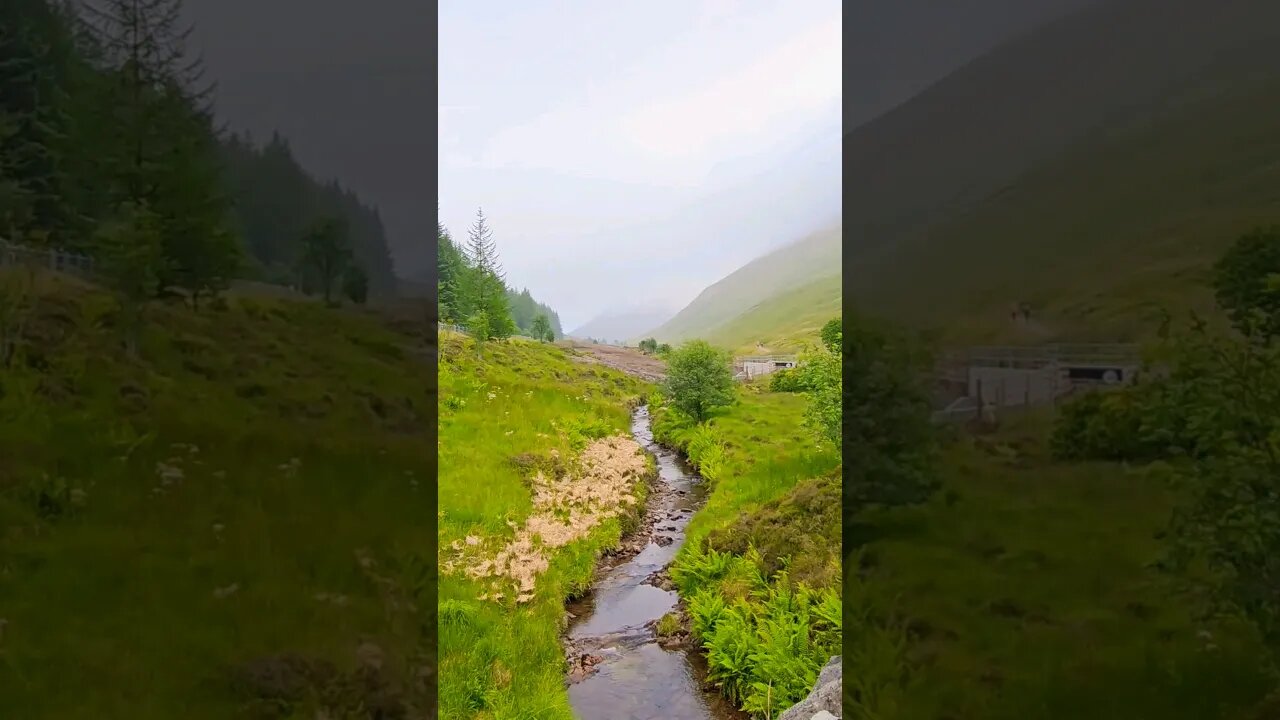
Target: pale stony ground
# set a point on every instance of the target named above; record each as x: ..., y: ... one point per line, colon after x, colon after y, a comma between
x: 600, y: 486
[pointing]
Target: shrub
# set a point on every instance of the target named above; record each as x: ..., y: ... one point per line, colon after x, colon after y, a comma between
x: 889, y: 441
x: 787, y: 380
x: 699, y: 379
x: 1103, y: 426
x: 1247, y: 283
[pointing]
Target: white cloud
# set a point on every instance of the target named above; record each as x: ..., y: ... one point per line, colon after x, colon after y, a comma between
x: 630, y: 132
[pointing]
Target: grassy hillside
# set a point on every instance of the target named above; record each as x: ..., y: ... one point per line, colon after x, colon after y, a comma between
x: 229, y: 525
x: 757, y: 284
x: 1100, y: 191
x: 760, y: 568
x: 1101, y: 238
x: 786, y: 321
x: 1028, y: 589
x: 521, y: 410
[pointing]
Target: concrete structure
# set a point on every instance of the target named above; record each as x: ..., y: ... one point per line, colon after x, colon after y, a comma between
x: 749, y: 368
x: 995, y: 377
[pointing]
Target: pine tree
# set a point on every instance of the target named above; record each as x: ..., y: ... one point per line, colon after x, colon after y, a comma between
x: 483, y: 288
x: 36, y: 57
x: 165, y: 153
x: 450, y: 266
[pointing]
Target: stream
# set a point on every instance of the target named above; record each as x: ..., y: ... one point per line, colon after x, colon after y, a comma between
x: 620, y: 671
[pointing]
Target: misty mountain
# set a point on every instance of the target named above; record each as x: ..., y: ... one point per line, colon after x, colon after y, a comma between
x: 894, y: 49
x: 759, y: 283
x: 1124, y: 131
x: 620, y: 325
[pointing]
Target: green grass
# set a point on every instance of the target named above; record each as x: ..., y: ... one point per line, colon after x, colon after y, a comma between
x: 499, y: 415
x: 1099, y: 239
x: 1028, y: 587
x: 724, y: 311
x: 296, y: 527
x: 760, y: 567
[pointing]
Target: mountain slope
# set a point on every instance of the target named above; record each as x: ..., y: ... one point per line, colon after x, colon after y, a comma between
x: 757, y: 284
x: 620, y: 325
x: 1114, y: 148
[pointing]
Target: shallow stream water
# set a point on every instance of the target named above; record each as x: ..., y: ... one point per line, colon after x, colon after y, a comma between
x: 633, y: 677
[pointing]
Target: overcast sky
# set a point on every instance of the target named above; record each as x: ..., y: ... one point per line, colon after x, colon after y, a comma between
x: 629, y: 154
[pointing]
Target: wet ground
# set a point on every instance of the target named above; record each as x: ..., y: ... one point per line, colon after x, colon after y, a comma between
x: 619, y: 667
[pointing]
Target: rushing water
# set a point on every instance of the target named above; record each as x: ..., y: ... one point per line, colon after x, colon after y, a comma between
x: 636, y: 679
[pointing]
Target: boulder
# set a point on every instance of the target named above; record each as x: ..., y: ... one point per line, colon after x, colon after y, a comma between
x: 823, y: 703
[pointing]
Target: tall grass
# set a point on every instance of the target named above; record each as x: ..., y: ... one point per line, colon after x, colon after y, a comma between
x: 251, y: 487
x: 503, y: 416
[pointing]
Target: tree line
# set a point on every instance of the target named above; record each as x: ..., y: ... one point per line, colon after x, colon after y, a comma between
x: 109, y: 147
x: 473, y: 292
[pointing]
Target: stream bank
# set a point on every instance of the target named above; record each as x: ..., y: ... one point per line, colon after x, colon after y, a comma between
x: 619, y: 667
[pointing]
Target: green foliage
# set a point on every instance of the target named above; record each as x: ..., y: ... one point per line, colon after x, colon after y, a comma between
x: 480, y: 327
x: 1227, y: 394
x: 541, y: 329
x: 888, y: 440
x: 131, y: 257
x: 326, y: 253
x: 823, y: 381
x: 831, y: 334
x: 699, y: 379
x: 1107, y: 426
x: 648, y: 346
x: 791, y: 380
x: 525, y: 311
x: 663, y: 350
x: 764, y: 646
x: 450, y: 264
x: 1216, y: 415
x: 275, y: 201
x: 1247, y: 282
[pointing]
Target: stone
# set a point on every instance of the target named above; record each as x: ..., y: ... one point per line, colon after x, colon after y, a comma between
x: 824, y: 701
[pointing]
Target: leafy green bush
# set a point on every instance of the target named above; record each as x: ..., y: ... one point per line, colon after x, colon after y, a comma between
x: 832, y: 334
x: 1104, y: 426
x: 1247, y: 282
x: 889, y: 443
x: 788, y: 380
x: 699, y: 379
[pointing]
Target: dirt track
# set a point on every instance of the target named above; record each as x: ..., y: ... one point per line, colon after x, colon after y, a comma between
x: 628, y: 360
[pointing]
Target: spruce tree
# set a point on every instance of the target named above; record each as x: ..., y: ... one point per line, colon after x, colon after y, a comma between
x: 165, y: 153
x: 484, y: 289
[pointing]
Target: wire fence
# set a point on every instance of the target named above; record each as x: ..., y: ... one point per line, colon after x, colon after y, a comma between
x: 15, y: 255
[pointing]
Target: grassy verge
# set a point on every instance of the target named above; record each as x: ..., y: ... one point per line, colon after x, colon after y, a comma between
x: 520, y: 408
x: 229, y: 525
x: 760, y: 568
x: 1028, y: 588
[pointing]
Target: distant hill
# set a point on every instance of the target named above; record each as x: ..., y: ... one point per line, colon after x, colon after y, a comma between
x: 620, y: 326
x: 764, y: 300
x: 1093, y: 167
